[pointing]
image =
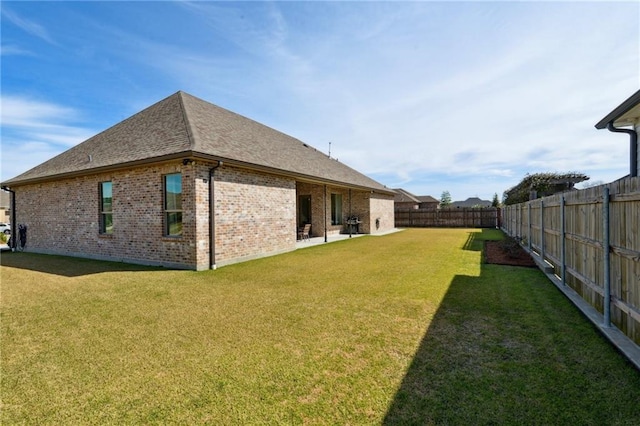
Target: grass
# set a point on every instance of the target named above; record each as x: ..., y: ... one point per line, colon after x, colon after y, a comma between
x: 410, y: 328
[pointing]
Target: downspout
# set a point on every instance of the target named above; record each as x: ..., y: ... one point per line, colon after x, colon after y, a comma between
x: 633, y: 139
x: 13, y: 216
x: 325, y: 213
x: 212, y: 223
x: 350, y: 214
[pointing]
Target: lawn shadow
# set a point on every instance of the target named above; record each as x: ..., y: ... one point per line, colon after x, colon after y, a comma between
x: 67, y: 266
x: 476, y: 239
x: 445, y: 381
x: 504, y: 347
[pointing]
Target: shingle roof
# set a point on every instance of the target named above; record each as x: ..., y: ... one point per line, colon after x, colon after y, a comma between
x: 427, y: 199
x: 182, y: 126
x: 470, y: 202
x: 403, y: 196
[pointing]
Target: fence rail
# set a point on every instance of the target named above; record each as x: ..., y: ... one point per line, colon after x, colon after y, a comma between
x: 448, y: 218
x: 591, y: 239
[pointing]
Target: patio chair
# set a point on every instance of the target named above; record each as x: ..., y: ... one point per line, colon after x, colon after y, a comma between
x: 303, y: 233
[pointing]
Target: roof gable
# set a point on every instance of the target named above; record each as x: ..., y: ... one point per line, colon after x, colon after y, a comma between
x: 183, y: 125
x: 156, y: 131
x: 403, y: 196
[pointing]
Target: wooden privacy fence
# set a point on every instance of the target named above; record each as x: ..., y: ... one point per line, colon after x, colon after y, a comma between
x: 591, y: 239
x: 459, y: 217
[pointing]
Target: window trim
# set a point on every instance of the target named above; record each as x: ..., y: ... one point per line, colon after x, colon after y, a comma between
x: 336, y: 209
x: 167, y: 212
x: 102, y: 213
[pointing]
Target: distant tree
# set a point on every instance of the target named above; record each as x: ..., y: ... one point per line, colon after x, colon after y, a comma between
x: 495, y: 202
x: 542, y: 184
x: 445, y: 199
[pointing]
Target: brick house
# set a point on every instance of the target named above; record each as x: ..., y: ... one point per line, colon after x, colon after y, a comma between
x: 406, y: 200
x: 187, y: 184
x: 427, y: 202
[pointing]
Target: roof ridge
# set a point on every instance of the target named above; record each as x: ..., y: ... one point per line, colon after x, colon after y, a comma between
x: 185, y: 119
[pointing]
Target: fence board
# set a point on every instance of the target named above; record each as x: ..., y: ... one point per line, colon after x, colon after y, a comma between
x: 579, y: 240
x: 448, y: 218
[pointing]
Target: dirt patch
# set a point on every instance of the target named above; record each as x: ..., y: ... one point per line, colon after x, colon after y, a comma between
x: 501, y: 253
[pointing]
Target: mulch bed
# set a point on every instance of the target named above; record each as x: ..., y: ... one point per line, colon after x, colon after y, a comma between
x: 495, y: 253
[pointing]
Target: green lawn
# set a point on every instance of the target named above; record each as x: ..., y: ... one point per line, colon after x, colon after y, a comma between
x: 409, y: 328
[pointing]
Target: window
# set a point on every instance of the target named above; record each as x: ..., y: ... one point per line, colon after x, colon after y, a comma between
x: 106, y: 208
x: 173, y: 204
x: 304, y: 210
x: 336, y: 209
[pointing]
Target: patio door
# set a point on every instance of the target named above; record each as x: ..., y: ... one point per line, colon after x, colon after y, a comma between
x: 304, y: 210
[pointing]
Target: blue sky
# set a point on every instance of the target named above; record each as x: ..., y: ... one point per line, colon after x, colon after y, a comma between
x: 428, y: 96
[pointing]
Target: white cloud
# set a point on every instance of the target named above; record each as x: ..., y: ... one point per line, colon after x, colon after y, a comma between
x: 34, y: 131
x: 529, y: 106
x: 28, y: 26
x: 11, y: 49
x: 20, y: 111
x: 462, y: 96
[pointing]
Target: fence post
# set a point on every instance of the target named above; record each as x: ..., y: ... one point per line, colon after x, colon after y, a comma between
x: 606, y: 247
x: 563, y: 259
x: 542, y: 229
x: 520, y: 232
x: 563, y: 246
x: 512, y: 225
x: 529, y: 231
x: 506, y: 219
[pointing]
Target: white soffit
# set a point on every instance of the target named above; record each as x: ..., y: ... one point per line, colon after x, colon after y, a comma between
x: 629, y: 118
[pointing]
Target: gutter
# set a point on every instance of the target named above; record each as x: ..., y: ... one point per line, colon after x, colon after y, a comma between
x: 633, y: 151
x: 212, y: 223
x: 13, y: 217
x: 620, y: 110
x: 203, y: 157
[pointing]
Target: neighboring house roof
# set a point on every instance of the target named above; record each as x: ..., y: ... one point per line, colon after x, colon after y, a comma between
x: 183, y: 126
x: 403, y: 196
x: 625, y: 114
x: 427, y: 199
x: 470, y: 202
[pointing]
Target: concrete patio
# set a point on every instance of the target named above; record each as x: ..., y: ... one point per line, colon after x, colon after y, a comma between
x: 314, y: 241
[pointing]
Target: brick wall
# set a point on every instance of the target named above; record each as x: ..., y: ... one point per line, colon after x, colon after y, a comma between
x: 63, y: 217
x: 201, y: 192
x: 381, y: 209
x: 320, y: 215
x: 364, y: 204
x: 255, y: 214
